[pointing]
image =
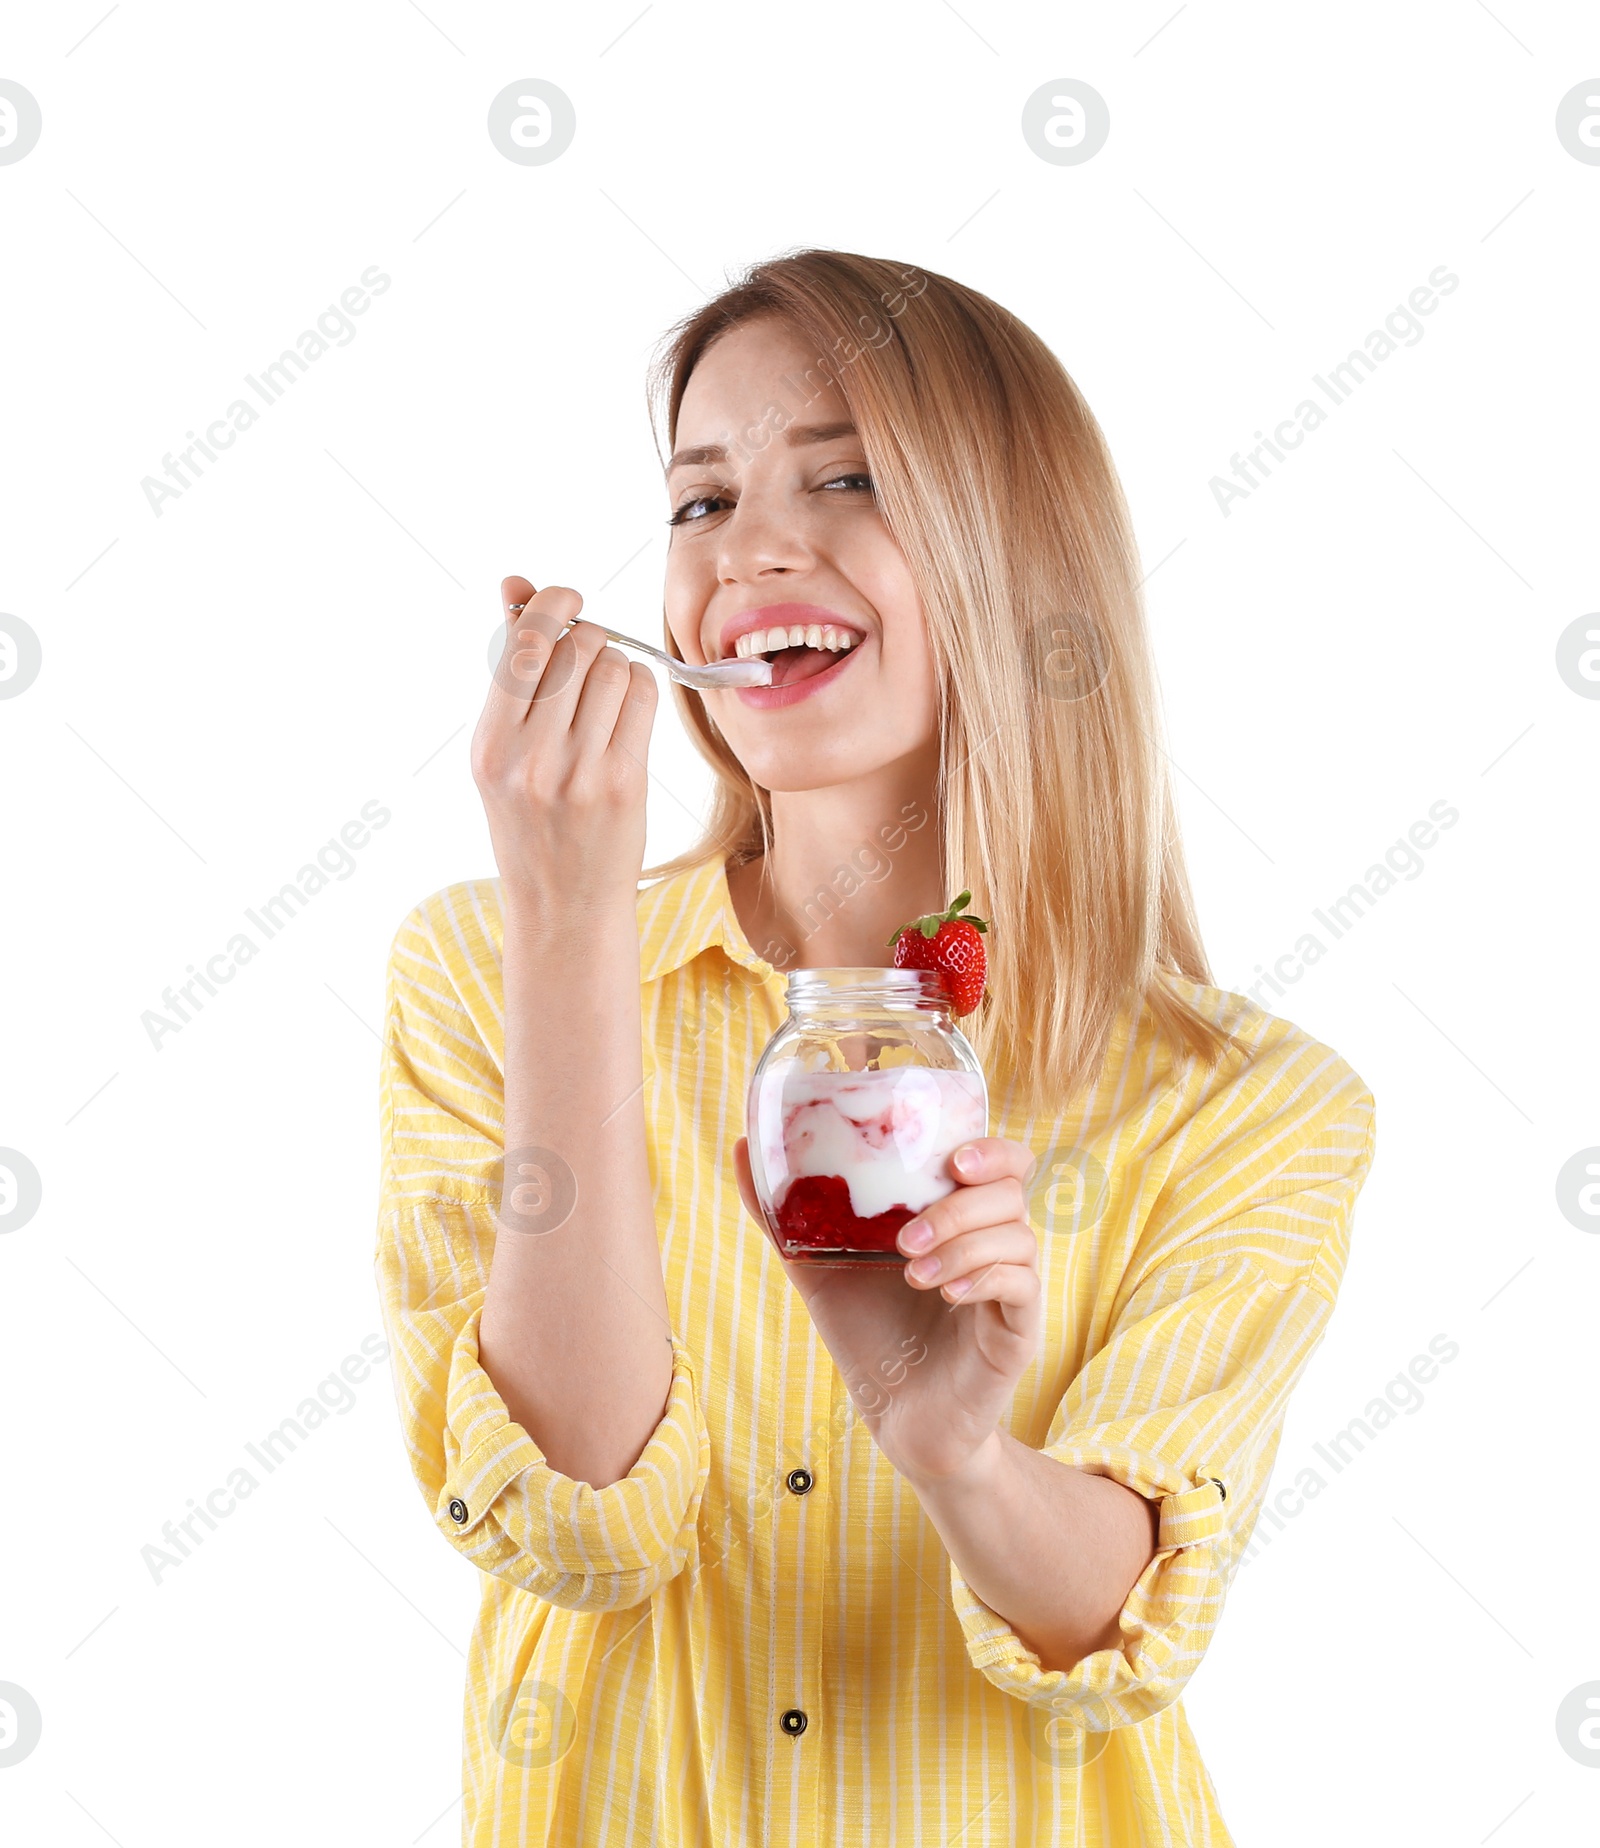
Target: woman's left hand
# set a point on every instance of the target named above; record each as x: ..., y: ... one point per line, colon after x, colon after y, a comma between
x: 931, y: 1362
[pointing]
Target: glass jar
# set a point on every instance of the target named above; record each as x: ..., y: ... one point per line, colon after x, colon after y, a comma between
x: 854, y: 1107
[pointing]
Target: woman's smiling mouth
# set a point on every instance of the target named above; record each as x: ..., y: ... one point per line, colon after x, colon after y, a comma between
x: 806, y: 645
x: 798, y: 635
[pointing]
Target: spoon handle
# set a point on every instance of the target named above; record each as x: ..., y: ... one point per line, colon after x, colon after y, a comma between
x: 517, y: 609
x: 717, y: 674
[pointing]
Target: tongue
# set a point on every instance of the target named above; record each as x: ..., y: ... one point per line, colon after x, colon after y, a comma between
x: 800, y: 664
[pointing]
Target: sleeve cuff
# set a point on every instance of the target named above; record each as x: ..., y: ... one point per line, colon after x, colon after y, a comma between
x: 1165, y: 1620
x: 497, y: 1476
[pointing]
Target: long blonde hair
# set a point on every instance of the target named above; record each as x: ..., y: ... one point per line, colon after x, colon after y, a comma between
x: 995, y: 480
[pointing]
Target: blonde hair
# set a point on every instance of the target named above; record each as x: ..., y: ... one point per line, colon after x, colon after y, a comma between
x: 996, y: 482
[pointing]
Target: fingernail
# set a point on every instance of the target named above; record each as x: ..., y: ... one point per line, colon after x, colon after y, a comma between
x: 964, y: 1161
x: 916, y: 1235
x: 959, y: 1287
x: 924, y: 1268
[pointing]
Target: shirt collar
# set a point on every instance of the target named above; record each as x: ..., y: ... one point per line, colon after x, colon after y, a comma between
x: 690, y: 912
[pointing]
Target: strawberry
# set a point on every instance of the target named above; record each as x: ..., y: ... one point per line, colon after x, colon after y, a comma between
x: 949, y: 942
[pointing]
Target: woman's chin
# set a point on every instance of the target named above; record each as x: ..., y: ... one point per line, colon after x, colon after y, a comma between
x: 843, y: 733
x: 822, y: 763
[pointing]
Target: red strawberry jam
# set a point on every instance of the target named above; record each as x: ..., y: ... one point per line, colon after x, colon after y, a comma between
x: 817, y: 1213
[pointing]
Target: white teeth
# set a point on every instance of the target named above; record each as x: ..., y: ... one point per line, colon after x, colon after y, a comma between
x: 814, y: 635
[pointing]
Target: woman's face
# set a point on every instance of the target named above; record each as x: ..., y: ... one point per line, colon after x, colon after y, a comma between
x: 776, y: 528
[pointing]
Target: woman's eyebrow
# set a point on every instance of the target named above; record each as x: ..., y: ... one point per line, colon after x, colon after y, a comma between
x: 795, y: 436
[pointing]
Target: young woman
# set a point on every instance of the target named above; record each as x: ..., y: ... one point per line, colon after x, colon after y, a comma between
x: 778, y: 1553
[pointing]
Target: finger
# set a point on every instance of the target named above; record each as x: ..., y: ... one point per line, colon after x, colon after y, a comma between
x: 971, y: 1253
x: 1014, y: 1284
x: 631, y: 733
x: 548, y: 610
x: 531, y: 633
x: 747, y: 1186
x: 605, y: 687
x: 555, y: 703
x: 989, y: 1203
x: 990, y: 1158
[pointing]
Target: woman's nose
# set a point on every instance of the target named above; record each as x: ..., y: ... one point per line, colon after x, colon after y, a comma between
x: 760, y: 537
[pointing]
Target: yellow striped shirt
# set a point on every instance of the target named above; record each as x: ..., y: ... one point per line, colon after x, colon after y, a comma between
x: 638, y: 1646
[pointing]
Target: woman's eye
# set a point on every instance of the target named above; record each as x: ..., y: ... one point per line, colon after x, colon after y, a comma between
x: 682, y: 516
x: 857, y: 482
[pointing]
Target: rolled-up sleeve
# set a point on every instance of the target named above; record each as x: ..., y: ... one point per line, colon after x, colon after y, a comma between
x: 484, y: 1479
x: 1237, y: 1268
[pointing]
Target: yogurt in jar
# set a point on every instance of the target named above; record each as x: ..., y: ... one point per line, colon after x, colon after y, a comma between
x: 851, y: 1156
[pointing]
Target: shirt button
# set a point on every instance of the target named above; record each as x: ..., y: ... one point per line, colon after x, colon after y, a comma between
x: 799, y: 1480
x: 458, y: 1512
x: 793, y: 1721
x: 1222, y: 1487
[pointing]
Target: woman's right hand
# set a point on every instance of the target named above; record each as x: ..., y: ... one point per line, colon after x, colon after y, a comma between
x: 559, y: 760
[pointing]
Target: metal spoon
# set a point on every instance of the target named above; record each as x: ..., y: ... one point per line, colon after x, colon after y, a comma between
x: 753, y: 672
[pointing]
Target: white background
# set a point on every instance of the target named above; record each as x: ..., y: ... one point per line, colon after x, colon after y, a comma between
x: 1372, y: 631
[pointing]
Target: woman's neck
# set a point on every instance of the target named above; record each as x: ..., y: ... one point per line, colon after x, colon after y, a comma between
x: 848, y: 864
